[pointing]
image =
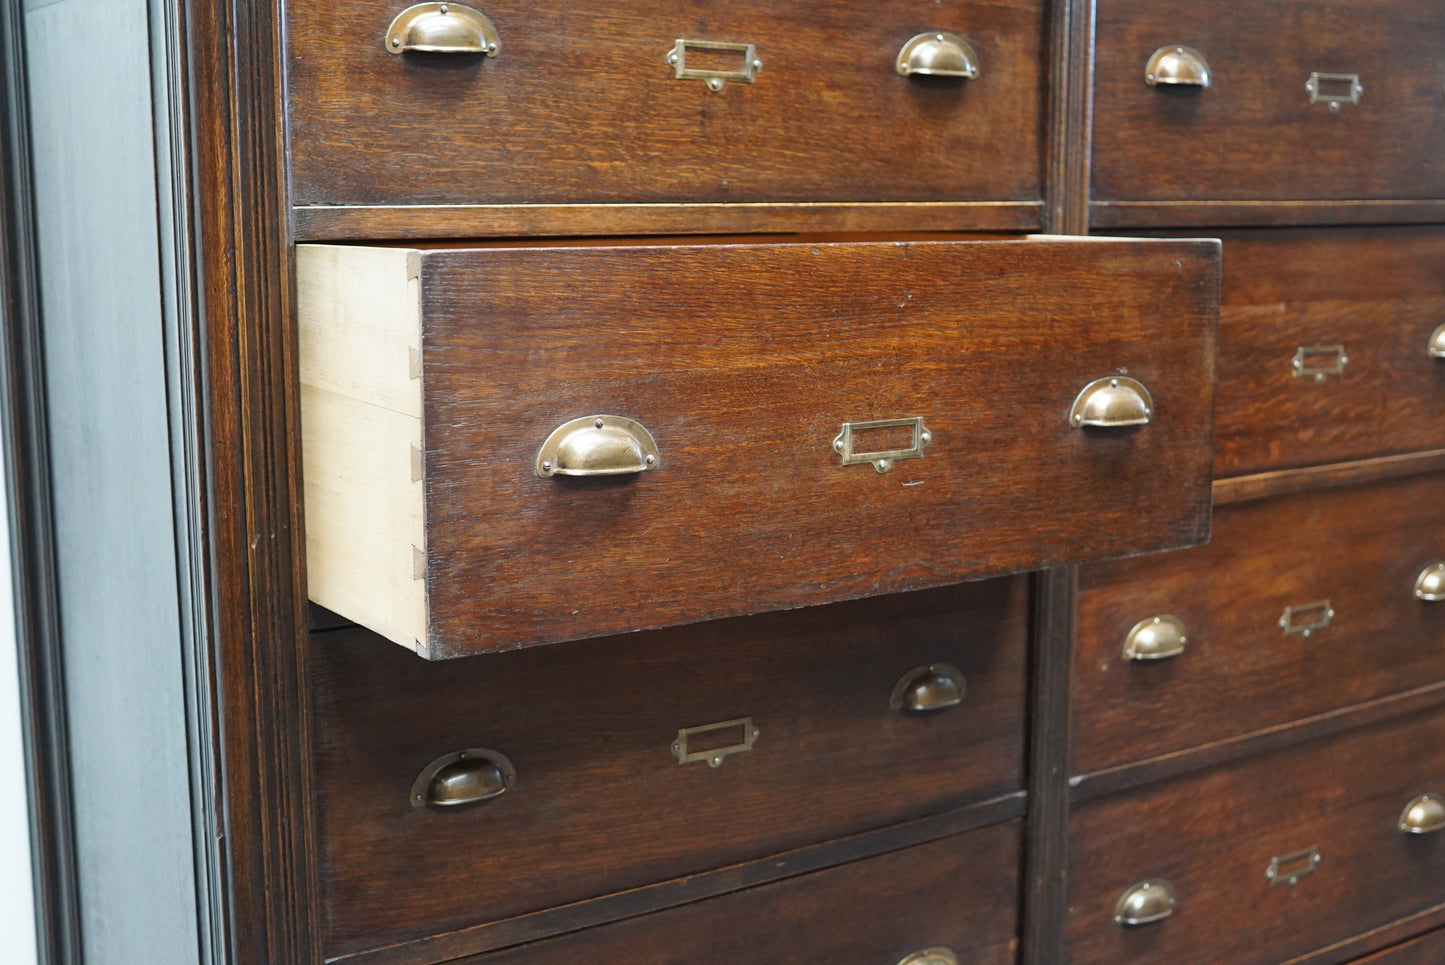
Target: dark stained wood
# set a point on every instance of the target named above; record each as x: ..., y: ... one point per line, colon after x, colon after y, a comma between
x: 1056, y: 595
x: 1105, y: 215
x: 681, y: 891
x: 30, y: 524
x: 408, y: 222
x: 245, y: 371
x: 600, y: 804
x: 1214, y: 834
x: 580, y: 105
x: 1254, y: 134
x: 1238, y: 489
x: 1123, y: 777
x: 1361, y: 549
x: 1380, y: 293
x: 1071, y: 46
x: 1425, y: 950
x: 960, y: 892
x: 744, y: 362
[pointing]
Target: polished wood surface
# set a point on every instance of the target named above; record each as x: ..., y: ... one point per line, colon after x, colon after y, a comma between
x: 600, y: 803
x: 744, y: 362
x: 1254, y: 134
x: 959, y: 893
x: 1378, y: 293
x: 1213, y: 835
x: 1426, y: 950
x: 580, y: 105
x: 1361, y: 549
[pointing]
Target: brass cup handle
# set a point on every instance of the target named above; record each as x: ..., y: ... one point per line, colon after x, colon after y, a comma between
x: 1111, y: 403
x: 1436, y: 348
x: 1430, y: 584
x: 937, y: 955
x: 463, y: 777
x: 1145, y: 902
x: 442, y: 28
x: 603, y: 445
x: 933, y: 687
x: 938, y: 54
x: 1424, y: 815
x: 1176, y: 65
x: 1156, y: 638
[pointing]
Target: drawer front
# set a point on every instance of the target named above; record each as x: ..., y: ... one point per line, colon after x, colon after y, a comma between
x: 1426, y: 950
x: 757, y: 371
x: 1360, y: 551
x: 1267, y: 859
x: 1264, y: 128
x: 960, y: 894
x: 581, y: 104
x: 612, y: 744
x: 1325, y: 347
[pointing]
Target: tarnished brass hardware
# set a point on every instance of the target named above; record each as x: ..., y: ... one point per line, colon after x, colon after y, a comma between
x: 686, y: 752
x: 597, y: 445
x: 936, y: 686
x: 714, y: 79
x: 1156, y: 638
x: 1288, y: 869
x: 442, y: 28
x: 1177, y: 65
x: 1430, y: 584
x: 1113, y: 402
x: 884, y: 459
x: 1305, y: 620
x: 1318, y: 361
x: 937, y: 955
x: 1148, y: 901
x: 463, y: 777
x: 1334, y: 89
x: 938, y: 54
x: 1424, y: 815
x: 1436, y: 348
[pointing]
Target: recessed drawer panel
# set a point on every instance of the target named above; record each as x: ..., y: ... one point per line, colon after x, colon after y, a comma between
x: 645, y: 101
x: 1269, y: 100
x: 509, y: 447
x: 951, y: 901
x: 1266, y: 860
x: 1299, y: 605
x: 1331, y: 346
x: 597, y: 767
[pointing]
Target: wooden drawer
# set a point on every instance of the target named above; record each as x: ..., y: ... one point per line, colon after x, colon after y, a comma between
x: 601, y: 800
x: 430, y: 381
x: 1359, y: 550
x: 1426, y: 950
x: 1254, y: 133
x: 959, y: 893
x: 1229, y: 841
x: 1357, y: 308
x: 581, y: 104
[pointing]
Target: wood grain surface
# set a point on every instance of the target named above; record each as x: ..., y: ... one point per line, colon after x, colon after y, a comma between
x: 1213, y: 835
x: 1360, y: 548
x: 1253, y: 134
x: 744, y: 362
x: 1425, y: 950
x: 600, y: 803
x: 960, y: 893
x: 580, y: 105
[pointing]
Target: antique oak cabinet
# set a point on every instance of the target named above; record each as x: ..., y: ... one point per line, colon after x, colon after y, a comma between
x: 913, y: 483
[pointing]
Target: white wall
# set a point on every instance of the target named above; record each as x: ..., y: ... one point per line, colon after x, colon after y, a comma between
x: 17, y: 904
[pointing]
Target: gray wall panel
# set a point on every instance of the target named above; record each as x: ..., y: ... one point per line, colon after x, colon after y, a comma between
x: 90, y: 63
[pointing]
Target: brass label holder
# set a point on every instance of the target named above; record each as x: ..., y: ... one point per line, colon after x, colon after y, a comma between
x: 1319, y: 361
x: 1288, y: 869
x: 1334, y: 89
x: 883, y: 459
x: 684, y: 746
x: 714, y: 79
x: 1305, y: 620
